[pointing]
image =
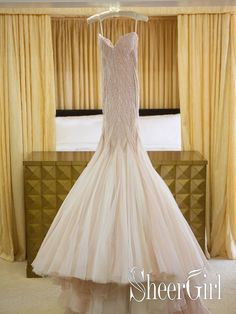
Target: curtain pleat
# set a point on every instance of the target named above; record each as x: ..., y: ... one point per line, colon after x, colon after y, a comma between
x: 27, y: 117
x: 77, y: 61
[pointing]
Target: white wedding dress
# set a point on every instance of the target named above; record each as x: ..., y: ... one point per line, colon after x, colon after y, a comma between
x: 120, y: 213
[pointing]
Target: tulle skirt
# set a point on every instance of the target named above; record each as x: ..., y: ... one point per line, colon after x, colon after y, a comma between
x: 119, y: 214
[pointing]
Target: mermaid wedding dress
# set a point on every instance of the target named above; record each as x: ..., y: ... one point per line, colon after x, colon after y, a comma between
x: 119, y: 214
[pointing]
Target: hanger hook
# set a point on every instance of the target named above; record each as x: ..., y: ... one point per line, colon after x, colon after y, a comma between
x: 114, y: 7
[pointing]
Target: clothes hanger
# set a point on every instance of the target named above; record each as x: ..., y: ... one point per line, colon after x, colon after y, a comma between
x: 114, y: 11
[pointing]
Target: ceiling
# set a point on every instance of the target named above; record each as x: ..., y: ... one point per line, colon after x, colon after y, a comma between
x: 101, y: 3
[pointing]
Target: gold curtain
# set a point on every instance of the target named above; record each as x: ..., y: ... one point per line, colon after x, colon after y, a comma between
x: 77, y: 60
x: 27, y: 113
x: 206, y: 54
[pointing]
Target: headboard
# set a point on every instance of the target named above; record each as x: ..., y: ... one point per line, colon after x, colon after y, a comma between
x: 88, y: 112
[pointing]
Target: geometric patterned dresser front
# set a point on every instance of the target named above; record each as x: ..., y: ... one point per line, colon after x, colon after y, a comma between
x: 49, y: 176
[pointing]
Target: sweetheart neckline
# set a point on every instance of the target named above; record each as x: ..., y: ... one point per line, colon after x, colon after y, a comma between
x: 113, y: 46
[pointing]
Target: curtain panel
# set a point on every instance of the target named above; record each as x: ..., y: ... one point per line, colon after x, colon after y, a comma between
x: 27, y: 117
x: 206, y: 59
x: 77, y: 61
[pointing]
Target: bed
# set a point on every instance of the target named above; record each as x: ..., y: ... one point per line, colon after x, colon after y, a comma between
x: 80, y: 130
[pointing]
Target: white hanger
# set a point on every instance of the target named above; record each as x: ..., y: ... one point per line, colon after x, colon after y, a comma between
x: 114, y: 11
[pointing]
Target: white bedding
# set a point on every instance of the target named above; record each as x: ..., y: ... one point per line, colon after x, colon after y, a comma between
x: 162, y: 132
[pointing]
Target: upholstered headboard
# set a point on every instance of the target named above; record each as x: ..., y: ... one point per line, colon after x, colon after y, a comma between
x: 88, y: 112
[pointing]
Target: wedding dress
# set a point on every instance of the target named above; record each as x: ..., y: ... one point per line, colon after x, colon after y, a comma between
x: 119, y: 214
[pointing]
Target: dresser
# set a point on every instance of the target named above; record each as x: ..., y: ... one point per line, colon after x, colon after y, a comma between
x: 49, y: 176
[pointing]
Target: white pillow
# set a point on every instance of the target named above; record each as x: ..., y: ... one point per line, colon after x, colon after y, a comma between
x: 78, y: 133
x: 161, y: 132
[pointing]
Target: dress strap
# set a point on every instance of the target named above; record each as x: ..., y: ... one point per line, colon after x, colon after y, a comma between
x: 101, y: 29
x: 136, y: 24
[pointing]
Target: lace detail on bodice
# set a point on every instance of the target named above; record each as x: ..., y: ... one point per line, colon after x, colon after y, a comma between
x: 120, y: 90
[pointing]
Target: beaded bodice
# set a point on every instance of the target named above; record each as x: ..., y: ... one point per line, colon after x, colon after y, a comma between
x: 120, y: 89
